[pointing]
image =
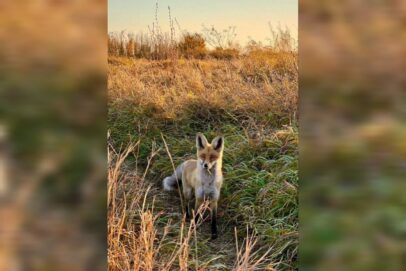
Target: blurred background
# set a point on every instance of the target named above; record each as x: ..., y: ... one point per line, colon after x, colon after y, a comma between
x: 53, y: 135
x: 352, y: 135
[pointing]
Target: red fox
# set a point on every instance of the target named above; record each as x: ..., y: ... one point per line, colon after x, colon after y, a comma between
x: 204, y: 176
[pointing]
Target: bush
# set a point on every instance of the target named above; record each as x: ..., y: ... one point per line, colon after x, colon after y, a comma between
x: 228, y: 53
x: 192, y: 46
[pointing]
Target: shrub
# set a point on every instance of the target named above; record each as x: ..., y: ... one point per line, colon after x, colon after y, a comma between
x: 192, y: 46
x: 228, y: 53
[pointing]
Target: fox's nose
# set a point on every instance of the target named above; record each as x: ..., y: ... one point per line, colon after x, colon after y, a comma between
x: 206, y: 165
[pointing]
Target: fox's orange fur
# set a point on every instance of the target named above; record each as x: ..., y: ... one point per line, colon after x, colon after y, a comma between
x: 202, y: 177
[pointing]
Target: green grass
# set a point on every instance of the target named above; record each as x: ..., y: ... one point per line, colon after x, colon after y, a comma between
x: 260, y: 188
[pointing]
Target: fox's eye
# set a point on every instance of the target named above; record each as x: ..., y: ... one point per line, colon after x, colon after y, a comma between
x: 202, y: 156
x: 212, y: 157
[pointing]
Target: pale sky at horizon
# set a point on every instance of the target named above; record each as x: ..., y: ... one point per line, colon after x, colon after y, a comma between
x: 250, y: 18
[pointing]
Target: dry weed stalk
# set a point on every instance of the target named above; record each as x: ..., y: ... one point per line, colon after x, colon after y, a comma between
x: 134, y: 242
x: 246, y: 255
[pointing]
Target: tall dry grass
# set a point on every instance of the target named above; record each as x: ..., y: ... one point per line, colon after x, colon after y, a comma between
x: 210, y: 43
x: 252, y: 100
x: 136, y: 239
x: 239, y: 88
x: 249, y: 95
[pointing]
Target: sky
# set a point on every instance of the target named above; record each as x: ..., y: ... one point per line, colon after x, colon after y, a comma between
x: 250, y: 17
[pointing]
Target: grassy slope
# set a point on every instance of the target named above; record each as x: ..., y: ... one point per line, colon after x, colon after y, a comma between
x: 253, y: 109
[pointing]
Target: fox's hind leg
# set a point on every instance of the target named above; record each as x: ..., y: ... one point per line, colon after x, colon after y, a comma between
x: 187, y: 196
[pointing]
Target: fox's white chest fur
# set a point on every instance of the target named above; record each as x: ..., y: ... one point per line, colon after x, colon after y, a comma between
x: 209, y: 182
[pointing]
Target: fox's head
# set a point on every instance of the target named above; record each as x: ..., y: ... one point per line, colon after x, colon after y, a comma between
x: 209, y: 154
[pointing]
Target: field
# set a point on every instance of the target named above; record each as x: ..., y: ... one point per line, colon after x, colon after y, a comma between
x: 155, y: 109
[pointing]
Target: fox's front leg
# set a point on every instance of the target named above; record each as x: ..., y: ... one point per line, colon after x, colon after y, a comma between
x: 198, y: 203
x: 213, y: 210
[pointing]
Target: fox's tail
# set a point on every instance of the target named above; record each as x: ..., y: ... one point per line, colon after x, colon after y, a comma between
x: 169, y: 182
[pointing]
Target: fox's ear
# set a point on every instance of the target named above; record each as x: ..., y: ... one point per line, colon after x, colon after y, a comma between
x: 201, y: 141
x: 218, y: 143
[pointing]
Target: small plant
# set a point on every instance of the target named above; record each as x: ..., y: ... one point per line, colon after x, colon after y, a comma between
x: 192, y: 46
x: 220, y: 38
x: 227, y: 54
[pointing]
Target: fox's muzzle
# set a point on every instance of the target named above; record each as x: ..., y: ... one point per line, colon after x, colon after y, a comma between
x: 208, y: 165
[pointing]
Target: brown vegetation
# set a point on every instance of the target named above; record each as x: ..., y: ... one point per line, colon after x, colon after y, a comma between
x: 134, y: 240
x: 211, y: 43
x: 264, y: 83
x: 160, y: 86
x: 252, y: 100
x: 192, y: 46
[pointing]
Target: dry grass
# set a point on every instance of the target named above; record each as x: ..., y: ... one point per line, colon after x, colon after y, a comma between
x: 251, y: 100
x: 239, y: 87
x: 135, y: 239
